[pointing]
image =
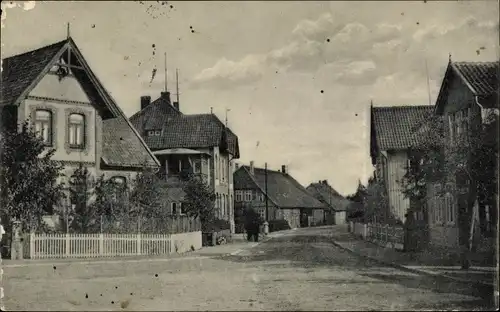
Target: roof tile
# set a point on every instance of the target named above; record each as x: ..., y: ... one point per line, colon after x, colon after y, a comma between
x: 394, y: 125
x: 282, y: 188
x: 19, y: 71
x: 482, y: 76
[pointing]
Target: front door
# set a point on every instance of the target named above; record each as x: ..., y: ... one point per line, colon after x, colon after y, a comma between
x: 303, y: 219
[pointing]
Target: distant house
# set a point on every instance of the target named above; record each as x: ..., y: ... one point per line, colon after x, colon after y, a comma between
x: 392, y: 132
x: 287, y: 198
x: 337, y: 204
x: 468, y: 92
x: 190, y: 144
x: 72, y: 111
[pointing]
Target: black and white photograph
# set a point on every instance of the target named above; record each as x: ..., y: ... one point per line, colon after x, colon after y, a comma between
x: 249, y: 155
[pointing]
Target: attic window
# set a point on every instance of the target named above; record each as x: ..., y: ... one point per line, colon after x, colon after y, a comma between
x: 154, y: 132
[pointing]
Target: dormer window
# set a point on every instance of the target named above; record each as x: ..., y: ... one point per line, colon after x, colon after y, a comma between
x: 154, y: 133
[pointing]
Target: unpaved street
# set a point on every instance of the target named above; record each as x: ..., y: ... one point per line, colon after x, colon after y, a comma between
x: 301, y: 270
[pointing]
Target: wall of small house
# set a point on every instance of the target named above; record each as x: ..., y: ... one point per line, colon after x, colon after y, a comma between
x: 459, y: 97
x: 62, y: 98
x: 292, y: 216
x: 396, y: 169
x: 340, y: 217
x: 223, y: 182
x: 318, y: 216
x: 259, y: 205
x: 441, y: 233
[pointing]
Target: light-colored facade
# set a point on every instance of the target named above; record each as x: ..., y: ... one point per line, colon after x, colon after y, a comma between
x: 73, y: 113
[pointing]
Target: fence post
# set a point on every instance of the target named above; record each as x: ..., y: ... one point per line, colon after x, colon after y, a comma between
x: 365, y: 231
x: 32, y: 245
x: 101, y: 244
x: 67, y: 245
x: 138, y: 244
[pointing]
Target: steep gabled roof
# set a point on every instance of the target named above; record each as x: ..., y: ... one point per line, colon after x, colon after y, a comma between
x: 481, y: 78
x: 393, y: 127
x: 122, y: 145
x: 194, y: 131
x: 283, y: 190
x: 154, y: 116
x: 19, y: 71
x: 329, y: 196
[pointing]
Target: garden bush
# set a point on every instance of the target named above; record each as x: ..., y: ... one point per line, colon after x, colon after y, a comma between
x: 278, y: 225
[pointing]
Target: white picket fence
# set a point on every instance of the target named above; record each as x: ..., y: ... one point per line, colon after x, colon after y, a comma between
x: 48, y: 246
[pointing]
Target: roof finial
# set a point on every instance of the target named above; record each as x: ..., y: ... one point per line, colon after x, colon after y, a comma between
x: 67, y: 31
x: 371, y: 102
x: 449, y: 57
x: 211, y: 110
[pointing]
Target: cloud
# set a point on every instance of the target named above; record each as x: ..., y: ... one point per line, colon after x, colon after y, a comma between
x: 26, y: 5
x: 312, y: 44
x: 356, y: 53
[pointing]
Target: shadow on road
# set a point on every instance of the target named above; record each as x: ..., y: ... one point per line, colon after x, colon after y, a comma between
x: 314, y: 251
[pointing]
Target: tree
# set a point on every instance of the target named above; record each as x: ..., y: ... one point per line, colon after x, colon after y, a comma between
x: 148, y: 195
x: 81, y: 185
x: 376, y: 203
x: 469, y: 162
x: 29, y: 187
x: 199, y: 199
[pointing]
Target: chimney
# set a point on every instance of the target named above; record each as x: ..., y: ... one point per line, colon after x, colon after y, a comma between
x: 251, y: 167
x: 145, y: 101
x: 176, y: 105
x: 325, y: 182
x: 283, y: 169
x: 165, y: 96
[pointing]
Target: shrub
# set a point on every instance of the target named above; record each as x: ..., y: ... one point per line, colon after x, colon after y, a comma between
x: 216, y: 225
x: 278, y: 225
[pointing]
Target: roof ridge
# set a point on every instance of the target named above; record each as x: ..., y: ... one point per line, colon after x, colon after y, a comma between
x: 475, y: 62
x: 401, y: 107
x: 35, y: 50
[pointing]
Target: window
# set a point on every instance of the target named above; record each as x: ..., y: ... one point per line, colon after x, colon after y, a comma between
x: 216, y: 167
x: 174, y: 208
x: 238, y: 195
x: 450, y: 208
x: 154, y: 132
x: 458, y: 123
x: 262, y: 213
x: 43, y: 125
x: 76, y: 130
x: 197, y: 166
x: 183, y: 211
x: 248, y: 196
x: 223, y: 197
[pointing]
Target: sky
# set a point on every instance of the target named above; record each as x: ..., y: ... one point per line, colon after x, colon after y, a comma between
x: 297, y: 77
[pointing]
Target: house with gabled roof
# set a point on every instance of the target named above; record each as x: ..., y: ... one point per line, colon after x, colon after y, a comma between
x: 337, y: 204
x: 392, y: 135
x: 198, y: 144
x: 55, y: 88
x: 468, y: 94
x: 286, y: 198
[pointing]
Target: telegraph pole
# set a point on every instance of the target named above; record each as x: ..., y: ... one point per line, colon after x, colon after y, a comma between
x: 266, y: 223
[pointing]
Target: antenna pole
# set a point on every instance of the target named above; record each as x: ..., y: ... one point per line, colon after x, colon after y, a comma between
x: 177, y: 82
x: 166, y: 77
